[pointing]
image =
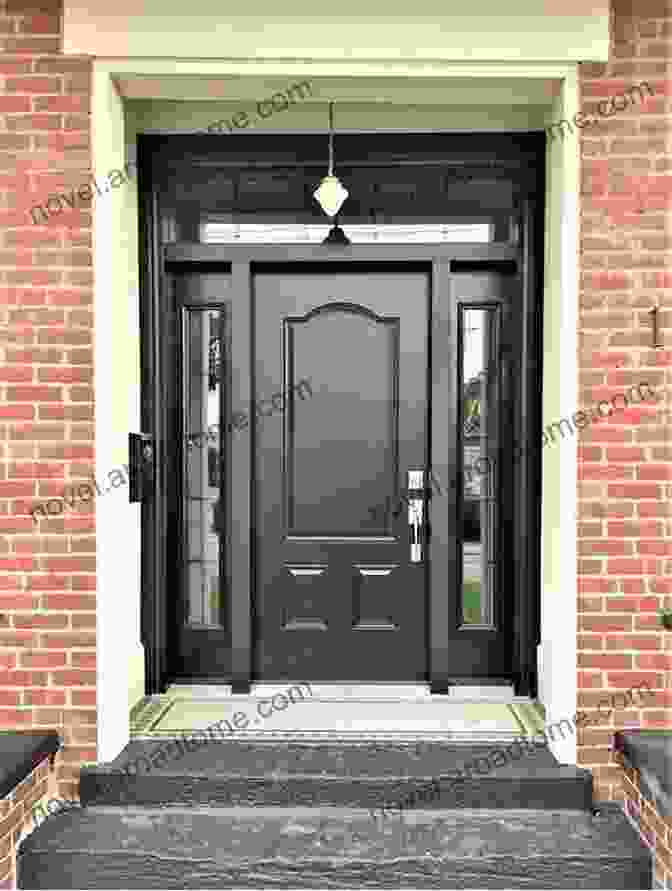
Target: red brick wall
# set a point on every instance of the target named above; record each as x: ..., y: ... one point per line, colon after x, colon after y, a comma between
x: 16, y: 814
x: 625, y: 509
x: 47, y: 570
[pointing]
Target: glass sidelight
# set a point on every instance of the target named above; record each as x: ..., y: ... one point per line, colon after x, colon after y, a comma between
x: 203, y: 338
x: 479, y: 434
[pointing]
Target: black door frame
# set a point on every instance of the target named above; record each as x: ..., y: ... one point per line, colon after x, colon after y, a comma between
x: 443, y: 541
x: 157, y: 266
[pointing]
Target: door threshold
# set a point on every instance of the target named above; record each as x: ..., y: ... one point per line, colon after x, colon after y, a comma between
x: 254, y: 718
x: 296, y: 713
x: 353, y: 692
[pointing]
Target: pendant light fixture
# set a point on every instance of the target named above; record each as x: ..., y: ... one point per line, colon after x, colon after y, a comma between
x: 330, y: 194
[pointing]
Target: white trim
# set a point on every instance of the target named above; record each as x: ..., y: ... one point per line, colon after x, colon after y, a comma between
x: 118, y: 575
x: 557, y: 661
x: 482, y: 30
x: 118, y: 647
x: 140, y: 67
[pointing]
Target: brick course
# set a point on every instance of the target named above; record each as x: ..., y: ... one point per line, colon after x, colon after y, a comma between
x: 46, y: 368
x: 623, y: 526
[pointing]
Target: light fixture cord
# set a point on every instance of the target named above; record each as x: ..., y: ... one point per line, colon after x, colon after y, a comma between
x: 331, y: 139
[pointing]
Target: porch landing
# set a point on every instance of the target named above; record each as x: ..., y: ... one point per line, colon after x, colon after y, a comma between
x: 313, y: 712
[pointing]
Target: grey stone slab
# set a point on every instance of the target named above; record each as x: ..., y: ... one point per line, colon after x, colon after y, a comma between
x: 333, y: 848
x: 650, y: 751
x: 567, y: 788
x: 355, y: 776
x: 331, y: 759
x: 21, y: 752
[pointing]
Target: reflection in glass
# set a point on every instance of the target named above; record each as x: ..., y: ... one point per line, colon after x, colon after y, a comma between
x: 479, y: 382
x: 202, y: 386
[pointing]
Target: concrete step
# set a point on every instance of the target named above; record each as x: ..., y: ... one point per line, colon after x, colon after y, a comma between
x: 372, y: 776
x: 271, y: 847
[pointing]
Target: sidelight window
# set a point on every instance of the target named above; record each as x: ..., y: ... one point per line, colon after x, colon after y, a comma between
x: 203, y: 515
x: 479, y: 433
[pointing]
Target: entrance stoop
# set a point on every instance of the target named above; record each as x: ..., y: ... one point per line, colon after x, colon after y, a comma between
x: 364, y: 713
x: 340, y: 815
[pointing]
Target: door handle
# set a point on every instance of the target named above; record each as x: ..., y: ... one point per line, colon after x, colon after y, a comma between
x: 416, y: 512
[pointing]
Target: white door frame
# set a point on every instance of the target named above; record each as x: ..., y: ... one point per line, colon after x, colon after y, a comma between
x: 120, y: 667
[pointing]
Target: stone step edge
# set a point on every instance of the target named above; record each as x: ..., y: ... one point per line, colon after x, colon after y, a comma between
x: 561, y: 772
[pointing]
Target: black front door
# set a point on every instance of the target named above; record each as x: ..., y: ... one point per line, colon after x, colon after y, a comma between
x: 341, y: 381
x: 343, y: 499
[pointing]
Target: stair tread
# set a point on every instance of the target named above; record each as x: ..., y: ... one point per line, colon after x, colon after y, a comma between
x: 369, y: 761
x: 441, y: 776
x: 332, y: 847
x: 328, y: 834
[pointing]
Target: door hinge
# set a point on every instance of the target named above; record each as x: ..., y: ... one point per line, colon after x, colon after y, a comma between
x: 140, y: 466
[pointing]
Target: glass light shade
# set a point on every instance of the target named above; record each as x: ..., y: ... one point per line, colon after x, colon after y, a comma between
x: 330, y: 195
